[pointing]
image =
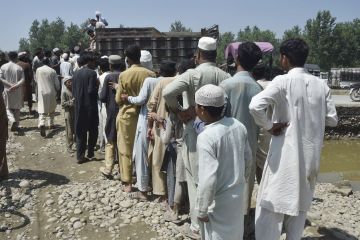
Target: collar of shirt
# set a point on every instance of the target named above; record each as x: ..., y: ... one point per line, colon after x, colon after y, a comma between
x: 297, y: 70
x: 243, y: 73
x: 207, y: 64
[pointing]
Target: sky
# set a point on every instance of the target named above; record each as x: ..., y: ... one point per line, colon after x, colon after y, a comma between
x: 230, y: 15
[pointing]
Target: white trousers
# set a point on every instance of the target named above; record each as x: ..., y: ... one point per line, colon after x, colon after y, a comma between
x: 42, y: 119
x: 102, y: 123
x: 268, y: 225
x: 13, y: 115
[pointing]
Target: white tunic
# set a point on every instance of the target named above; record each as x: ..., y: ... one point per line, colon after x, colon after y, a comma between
x: 140, y: 149
x: 224, y: 160
x: 47, y: 83
x: 14, y: 75
x: 290, y: 172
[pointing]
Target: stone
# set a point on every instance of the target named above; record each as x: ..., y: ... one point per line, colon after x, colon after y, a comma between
x: 126, y: 204
x: 74, y: 219
x: 77, y: 211
x: 52, y: 219
x: 77, y: 225
x: 343, y: 188
x: 24, y: 184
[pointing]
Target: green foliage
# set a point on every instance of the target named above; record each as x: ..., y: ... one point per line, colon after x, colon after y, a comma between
x: 319, y: 35
x: 53, y: 34
x: 178, y: 26
x: 294, y: 32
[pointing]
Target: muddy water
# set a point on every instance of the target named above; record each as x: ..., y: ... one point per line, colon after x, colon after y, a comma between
x: 340, y: 160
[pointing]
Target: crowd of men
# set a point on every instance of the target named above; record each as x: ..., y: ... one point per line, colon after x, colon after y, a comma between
x: 189, y: 132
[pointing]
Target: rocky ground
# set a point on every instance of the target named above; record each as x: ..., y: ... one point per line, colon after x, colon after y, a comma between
x: 49, y: 196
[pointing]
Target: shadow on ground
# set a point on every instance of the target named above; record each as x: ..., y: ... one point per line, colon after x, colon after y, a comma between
x: 13, y: 204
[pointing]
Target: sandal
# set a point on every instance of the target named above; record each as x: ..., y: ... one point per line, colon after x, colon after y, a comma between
x: 171, y: 216
x: 138, y: 196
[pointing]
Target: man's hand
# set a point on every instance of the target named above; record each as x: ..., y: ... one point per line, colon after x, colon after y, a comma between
x: 277, y: 128
x: 113, y: 85
x: 13, y: 88
x: 152, y: 115
x: 187, y: 115
x: 124, y: 98
x: 204, y: 219
x: 150, y: 134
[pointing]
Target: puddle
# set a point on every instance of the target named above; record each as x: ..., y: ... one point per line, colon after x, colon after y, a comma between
x: 340, y: 160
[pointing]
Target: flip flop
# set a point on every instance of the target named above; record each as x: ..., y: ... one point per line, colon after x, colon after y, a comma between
x: 138, y: 196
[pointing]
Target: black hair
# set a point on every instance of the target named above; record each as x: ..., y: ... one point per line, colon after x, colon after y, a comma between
x: 90, y: 31
x: 104, y: 64
x: 249, y: 55
x: 119, y: 67
x: 185, y: 65
x: 259, y: 71
x: 46, y: 61
x: 296, y: 50
x: 214, y: 112
x: 133, y: 52
x: 167, y: 68
x: 12, y: 55
x: 23, y: 58
x: 208, y: 55
x: 38, y: 51
x: 48, y: 53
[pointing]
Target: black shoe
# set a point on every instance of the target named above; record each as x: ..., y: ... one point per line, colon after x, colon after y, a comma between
x: 81, y: 160
x: 42, y: 131
x: 14, y: 127
x: 90, y: 155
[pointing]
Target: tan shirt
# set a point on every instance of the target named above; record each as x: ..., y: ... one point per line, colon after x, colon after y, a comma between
x: 130, y: 82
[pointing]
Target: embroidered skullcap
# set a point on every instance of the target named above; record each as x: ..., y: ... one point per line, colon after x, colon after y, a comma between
x: 146, y: 59
x: 207, y: 44
x: 65, y: 55
x: 210, y: 95
x: 114, y: 59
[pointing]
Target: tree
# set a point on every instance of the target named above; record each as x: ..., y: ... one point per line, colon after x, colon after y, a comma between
x: 319, y: 35
x: 177, y: 26
x: 294, y: 32
x: 256, y: 35
x: 53, y: 34
x: 224, y: 39
x: 344, y: 45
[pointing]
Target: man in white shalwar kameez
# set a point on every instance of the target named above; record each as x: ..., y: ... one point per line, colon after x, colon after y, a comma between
x: 224, y: 164
x: 205, y: 73
x: 239, y: 90
x: 302, y: 106
x: 13, y: 78
x: 47, y: 85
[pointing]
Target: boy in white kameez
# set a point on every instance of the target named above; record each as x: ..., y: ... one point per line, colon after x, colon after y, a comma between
x: 224, y: 168
x: 302, y: 106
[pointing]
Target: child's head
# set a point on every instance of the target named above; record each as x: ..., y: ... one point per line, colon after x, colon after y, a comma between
x: 210, y: 103
x: 67, y: 82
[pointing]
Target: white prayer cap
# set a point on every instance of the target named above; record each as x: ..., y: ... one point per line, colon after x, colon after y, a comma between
x: 207, y: 44
x: 67, y: 78
x: 97, y: 13
x: 56, y: 50
x: 210, y: 95
x: 114, y: 59
x: 146, y: 59
x: 20, y: 54
x: 65, y: 56
x: 104, y: 57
